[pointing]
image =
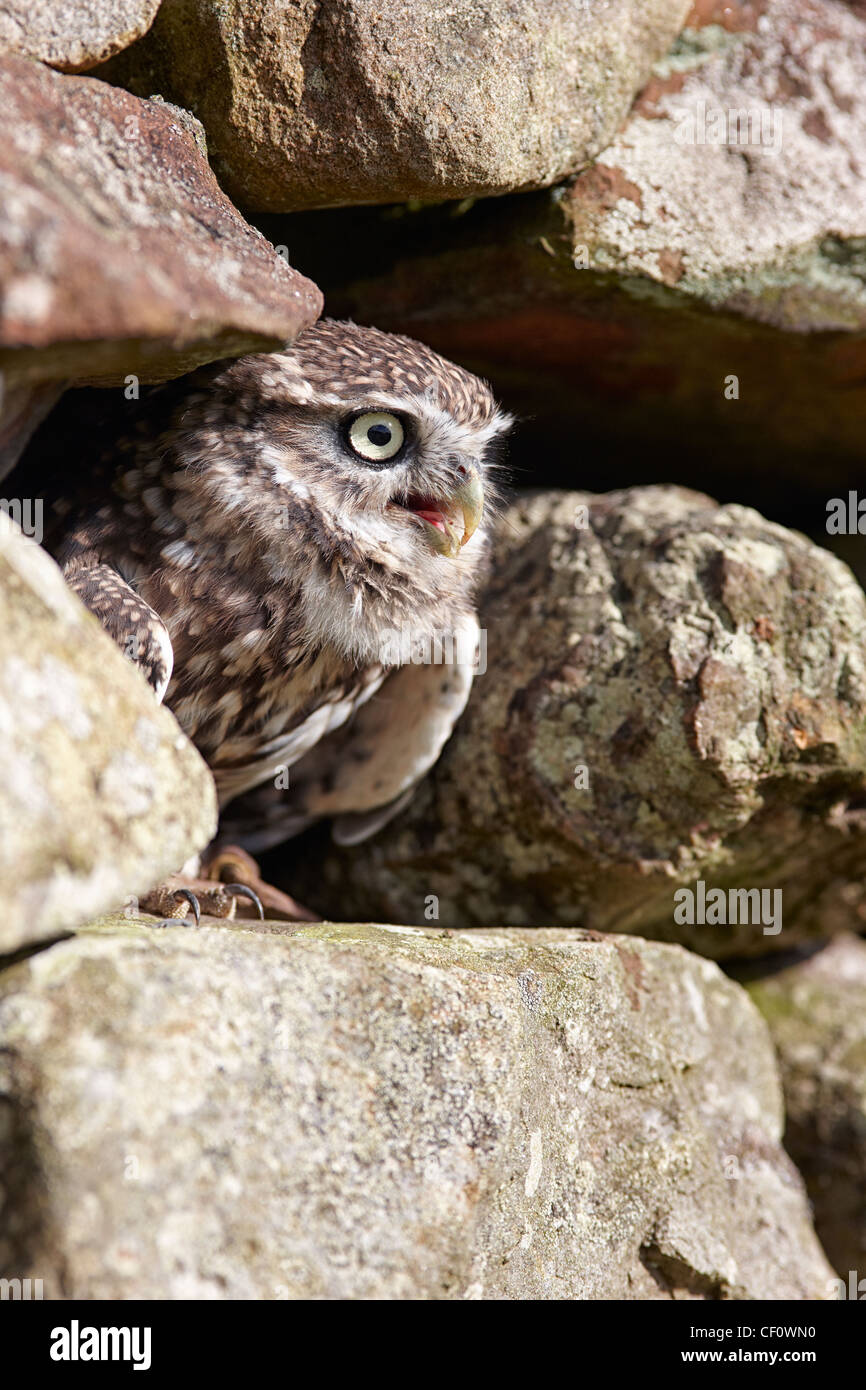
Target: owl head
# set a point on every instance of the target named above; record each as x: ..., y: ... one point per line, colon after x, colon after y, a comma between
x: 360, y: 458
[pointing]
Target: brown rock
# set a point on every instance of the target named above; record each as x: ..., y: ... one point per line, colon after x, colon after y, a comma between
x: 734, y: 15
x: 674, y: 694
x: 22, y: 409
x: 320, y: 105
x: 744, y: 157
x: 816, y: 1009
x: 72, y: 35
x: 612, y: 312
x: 118, y: 252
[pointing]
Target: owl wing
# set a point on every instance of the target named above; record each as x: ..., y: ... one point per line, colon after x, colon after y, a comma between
x: 284, y: 751
x: 363, y: 774
x: 136, y: 628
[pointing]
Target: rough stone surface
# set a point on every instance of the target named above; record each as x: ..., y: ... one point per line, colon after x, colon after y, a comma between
x: 73, y: 34
x: 22, y: 410
x: 319, y: 105
x: 118, y: 252
x: 674, y: 691
x: 612, y: 312
x: 816, y: 1010
x: 740, y: 176
x: 372, y: 1112
x: 100, y: 792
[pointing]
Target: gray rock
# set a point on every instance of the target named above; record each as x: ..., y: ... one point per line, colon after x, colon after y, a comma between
x: 816, y: 1010
x: 674, y: 694
x: 321, y: 105
x: 101, y: 794
x: 376, y: 1112
x: 73, y: 35
x: 119, y: 254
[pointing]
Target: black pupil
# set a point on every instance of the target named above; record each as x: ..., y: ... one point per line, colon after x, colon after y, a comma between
x: 380, y: 435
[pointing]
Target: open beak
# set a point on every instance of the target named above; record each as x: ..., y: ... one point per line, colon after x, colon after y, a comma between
x: 450, y: 522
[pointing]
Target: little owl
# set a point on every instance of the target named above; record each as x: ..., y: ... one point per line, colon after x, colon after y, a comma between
x: 274, y: 541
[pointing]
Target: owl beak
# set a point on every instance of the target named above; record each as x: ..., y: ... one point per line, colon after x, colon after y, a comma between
x: 470, y: 499
x: 460, y: 515
x: 448, y: 523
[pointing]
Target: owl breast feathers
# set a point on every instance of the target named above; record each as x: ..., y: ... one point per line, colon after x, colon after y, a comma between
x: 288, y: 545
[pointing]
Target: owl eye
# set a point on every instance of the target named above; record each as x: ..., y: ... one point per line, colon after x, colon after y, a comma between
x: 376, y: 436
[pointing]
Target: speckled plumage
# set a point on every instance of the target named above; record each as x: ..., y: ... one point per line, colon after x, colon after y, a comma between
x: 229, y: 528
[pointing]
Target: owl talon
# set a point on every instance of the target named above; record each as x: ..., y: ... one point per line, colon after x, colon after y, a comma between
x: 231, y: 862
x: 243, y: 890
x: 177, y: 921
x: 193, y: 902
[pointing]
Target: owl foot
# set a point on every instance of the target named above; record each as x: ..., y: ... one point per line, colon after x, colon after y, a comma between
x: 231, y: 861
x: 204, y: 896
x: 194, y: 904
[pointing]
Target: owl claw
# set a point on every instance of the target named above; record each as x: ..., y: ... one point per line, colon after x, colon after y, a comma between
x: 243, y: 890
x: 232, y: 862
x: 194, y: 904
